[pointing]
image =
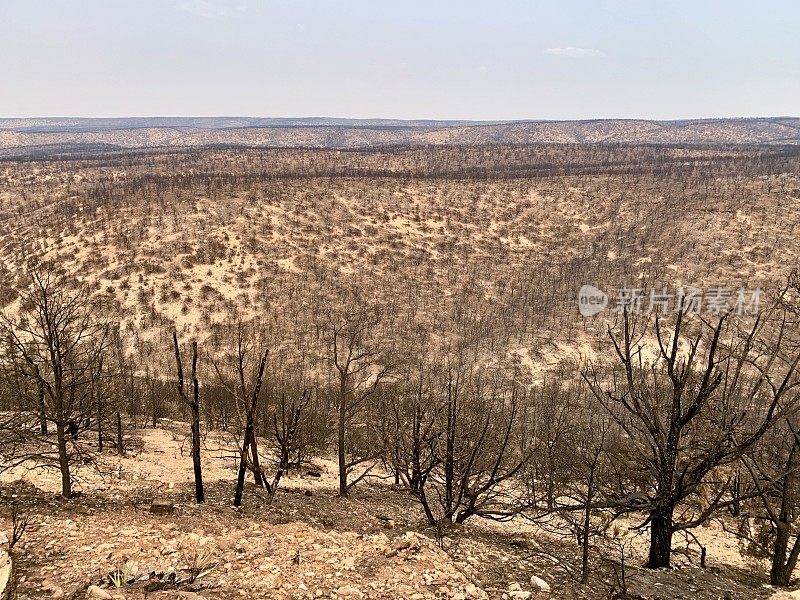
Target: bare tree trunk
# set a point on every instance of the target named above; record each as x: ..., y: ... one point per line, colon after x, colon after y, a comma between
x: 449, y: 463
x: 782, y: 562
x: 286, y: 439
x: 134, y: 403
x: 153, y: 402
x: 341, y: 435
x: 194, y: 405
x: 248, y: 435
x: 120, y: 438
x: 63, y: 461
x: 257, y: 474
x: 660, y: 554
x: 426, y: 507
x: 99, y: 423
x: 779, y: 574
x: 42, y: 412
x: 416, y: 443
x: 198, y: 469
x: 587, y: 523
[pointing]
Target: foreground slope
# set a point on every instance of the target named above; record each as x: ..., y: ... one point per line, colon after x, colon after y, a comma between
x: 307, y: 544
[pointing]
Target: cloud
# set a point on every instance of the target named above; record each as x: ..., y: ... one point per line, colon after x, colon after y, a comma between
x: 573, y: 52
x: 202, y: 8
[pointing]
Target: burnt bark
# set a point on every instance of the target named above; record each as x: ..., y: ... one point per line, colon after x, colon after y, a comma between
x: 63, y: 461
x: 661, y: 530
x: 194, y: 405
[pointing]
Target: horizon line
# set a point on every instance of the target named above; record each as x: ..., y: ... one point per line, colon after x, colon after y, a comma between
x: 411, y: 119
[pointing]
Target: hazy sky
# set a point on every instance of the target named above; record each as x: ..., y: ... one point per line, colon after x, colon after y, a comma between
x: 463, y: 59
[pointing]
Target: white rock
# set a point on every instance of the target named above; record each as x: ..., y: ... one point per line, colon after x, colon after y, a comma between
x: 521, y: 594
x: 538, y: 582
x: 99, y: 594
x: 472, y: 590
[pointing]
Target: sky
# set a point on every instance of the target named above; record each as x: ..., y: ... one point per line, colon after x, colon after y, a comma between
x: 412, y: 59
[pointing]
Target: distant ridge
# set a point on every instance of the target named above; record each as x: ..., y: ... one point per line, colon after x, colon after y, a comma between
x: 324, y: 132
x: 38, y: 124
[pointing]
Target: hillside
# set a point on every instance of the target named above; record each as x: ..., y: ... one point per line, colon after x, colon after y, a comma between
x: 496, y: 236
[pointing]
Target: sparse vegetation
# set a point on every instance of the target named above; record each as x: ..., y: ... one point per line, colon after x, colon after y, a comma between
x: 407, y: 315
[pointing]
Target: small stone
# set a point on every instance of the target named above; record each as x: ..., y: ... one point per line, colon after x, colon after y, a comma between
x: 98, y: 593
x: 348, y: 591
x: 539, y: 583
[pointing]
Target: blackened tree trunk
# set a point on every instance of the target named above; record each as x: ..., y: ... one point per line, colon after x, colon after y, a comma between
x: 661, y: 530
x: 342, y: 435
x: 258, y: 475
x: 779, y: 574
x: 198, y: 469
x: 449, y: 459
x: 61, y: 432
x: 99, y: 422
x: 63, y: 460
x: 586, y: 528
x: 691, y: 410
x: 784, y: 561
x: 285, y: 437
x: 194, y: 405
x: 246, y: 445
x: 42, y: 410
x: 120, y: 438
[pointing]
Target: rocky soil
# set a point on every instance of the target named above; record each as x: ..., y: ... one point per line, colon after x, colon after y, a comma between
x: 308, y: 544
